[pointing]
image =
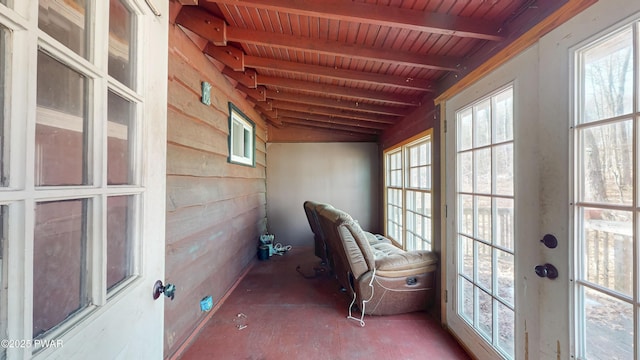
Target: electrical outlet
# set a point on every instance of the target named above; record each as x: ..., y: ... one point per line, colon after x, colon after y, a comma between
x: 206, y: 303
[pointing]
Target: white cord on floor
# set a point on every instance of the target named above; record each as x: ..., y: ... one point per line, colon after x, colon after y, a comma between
x: 280, y: 249
x: 364, y: 302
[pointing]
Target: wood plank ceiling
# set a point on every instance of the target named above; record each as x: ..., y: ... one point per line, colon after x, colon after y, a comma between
x: 354, y: 66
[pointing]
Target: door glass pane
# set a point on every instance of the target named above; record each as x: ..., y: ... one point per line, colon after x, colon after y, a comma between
x: 119, y: 239
x: 121, y: 53
x: 465, y: 176
x: 502, y: 115
x: 485, y: 200
x: 608, y: 248
x: 608, y: 327
x: 59, y: 262
x: 466, y: 299
x: 506, y: 276
x: 607, y: 159
x: 504, y: 169
x: 482, y: 170
x: 506, y: 329
x: 4, y: 159
x: 608, y: 78
x: 465, y: 129
x: 485, y: 268
x: 65, y: 21
x: 484, y: 309
x: 120, y: 131
x: 504, y: 231
x: 61, y: 125
x: 465, y: 252
x: 482, y: 123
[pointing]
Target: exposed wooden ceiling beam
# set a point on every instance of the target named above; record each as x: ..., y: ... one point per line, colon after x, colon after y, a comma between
x: 287, y: 105
x: 335, y: 103
x: 330, y: 126
x: 331, y: 119
x: 380, y: 15
x: 338, y: 90
x: 338, y: 74
x: 336, y: 48
x: 216, y: 31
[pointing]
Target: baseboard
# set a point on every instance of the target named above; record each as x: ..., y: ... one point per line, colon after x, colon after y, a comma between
x: 179, y: 352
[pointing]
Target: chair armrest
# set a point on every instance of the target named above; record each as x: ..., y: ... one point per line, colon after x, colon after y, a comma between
x: 406, y: 263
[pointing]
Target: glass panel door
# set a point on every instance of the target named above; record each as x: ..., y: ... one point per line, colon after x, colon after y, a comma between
x: 485, y: 203
x: 606, y: 207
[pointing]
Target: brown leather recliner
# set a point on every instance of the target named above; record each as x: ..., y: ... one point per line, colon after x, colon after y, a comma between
x: 382, y: 278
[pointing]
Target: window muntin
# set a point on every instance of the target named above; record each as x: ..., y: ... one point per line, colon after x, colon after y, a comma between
x: 485, y: 205
x: 606, y: 211
x: 408, y: 193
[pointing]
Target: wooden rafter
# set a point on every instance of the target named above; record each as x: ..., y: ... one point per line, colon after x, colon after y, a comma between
x: 338, y: 74
x: 380, y: 15
x: 330, y: 126
x: 338, y: 90
x: 331, y: 119
x: 335, y: 103
x: 336, y: 48
x: 216, y: 31
x: 314, y: 109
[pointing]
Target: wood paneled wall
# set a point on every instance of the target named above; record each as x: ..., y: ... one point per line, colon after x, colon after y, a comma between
x: 215, y: 210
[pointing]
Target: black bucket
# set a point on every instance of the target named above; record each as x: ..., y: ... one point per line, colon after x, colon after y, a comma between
x: 263, y: 252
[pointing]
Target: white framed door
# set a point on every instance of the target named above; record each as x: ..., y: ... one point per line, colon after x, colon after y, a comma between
x: 82, y: 185
x: 591, y: 310
x: 490, y: 147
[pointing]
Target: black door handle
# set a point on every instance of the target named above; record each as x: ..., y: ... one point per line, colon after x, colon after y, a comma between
x: 547, y: 270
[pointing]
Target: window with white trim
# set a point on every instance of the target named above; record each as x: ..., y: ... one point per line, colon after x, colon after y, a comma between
x: 408, y: 200
x: 242, y: 131
x: 606, y: 214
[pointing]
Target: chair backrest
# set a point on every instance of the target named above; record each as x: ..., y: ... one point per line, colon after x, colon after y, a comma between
x: 359, y: 253
x: 312, y: 217
x: 330, y: 218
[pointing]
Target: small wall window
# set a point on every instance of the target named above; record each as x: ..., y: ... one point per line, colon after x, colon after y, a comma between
x: 242, y: 134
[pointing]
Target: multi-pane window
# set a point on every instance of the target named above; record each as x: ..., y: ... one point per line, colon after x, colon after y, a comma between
x: 607, y: 211
x: 485, y: 206
x: 408, y: 193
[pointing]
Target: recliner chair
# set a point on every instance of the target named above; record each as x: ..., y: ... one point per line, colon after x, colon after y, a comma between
x: 382, y: 278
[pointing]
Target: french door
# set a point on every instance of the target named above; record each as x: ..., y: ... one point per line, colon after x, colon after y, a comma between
x: 574, y: 107
x: 82, y: 139
x: 488, y: 142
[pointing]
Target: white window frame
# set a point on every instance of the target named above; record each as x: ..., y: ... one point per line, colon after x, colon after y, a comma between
x: 402, y: 148
x: 246, y: 139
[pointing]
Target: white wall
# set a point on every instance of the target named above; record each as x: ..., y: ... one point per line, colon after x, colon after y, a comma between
x: 345, y: 175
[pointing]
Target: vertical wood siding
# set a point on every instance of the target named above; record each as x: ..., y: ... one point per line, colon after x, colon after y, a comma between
x: 215, y: 210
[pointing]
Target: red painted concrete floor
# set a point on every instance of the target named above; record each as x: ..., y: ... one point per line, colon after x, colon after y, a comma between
x: 286, y: 316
